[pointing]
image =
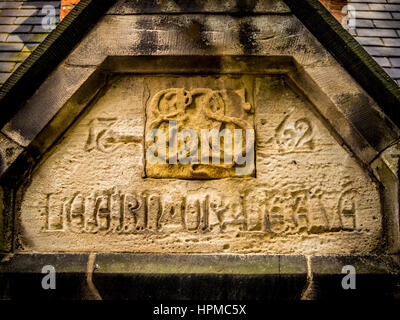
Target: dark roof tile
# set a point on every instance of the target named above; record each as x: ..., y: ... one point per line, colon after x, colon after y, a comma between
x: 21, y: 30
x: 382, y: 40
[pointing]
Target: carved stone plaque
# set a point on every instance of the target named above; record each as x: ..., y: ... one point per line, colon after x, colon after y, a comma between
x: 300, y: 192
x: 203, y: 116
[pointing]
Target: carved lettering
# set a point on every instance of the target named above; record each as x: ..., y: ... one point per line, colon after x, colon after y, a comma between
x: 280, y: 212
x: 291, y: 135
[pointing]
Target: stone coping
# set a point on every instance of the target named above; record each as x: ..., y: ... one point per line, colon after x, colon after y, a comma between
x: 198, y: 277
x: 131, y: 263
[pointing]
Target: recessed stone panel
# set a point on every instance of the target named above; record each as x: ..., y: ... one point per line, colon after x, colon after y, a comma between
x: 96, y: 190
x: 197, y: 118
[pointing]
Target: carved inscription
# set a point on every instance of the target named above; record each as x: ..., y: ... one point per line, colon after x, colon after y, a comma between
x: 107, y: 134
x: 293, y: 134
x: 207, y: 133
x: 261, y: 210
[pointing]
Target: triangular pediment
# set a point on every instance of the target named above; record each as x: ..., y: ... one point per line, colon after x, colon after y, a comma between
x: 309, y: 183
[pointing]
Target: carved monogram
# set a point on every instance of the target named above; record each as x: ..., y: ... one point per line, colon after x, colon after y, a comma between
x: 200, y: 110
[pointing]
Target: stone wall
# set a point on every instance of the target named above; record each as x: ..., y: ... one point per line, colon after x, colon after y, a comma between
x: 111, y: 180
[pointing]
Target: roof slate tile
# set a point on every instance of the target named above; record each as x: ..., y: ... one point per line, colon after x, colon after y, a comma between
x: 382, y: 40
x: 370, y: 41
x: 387, y: 24
x: 383, y: 51
x: 21, y: 31
x: 395, y: 62
x: 10, y: 4
x: 6, y: 66
x: 393, y: 72
x: 383, y: 62
x: 391, y: 42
